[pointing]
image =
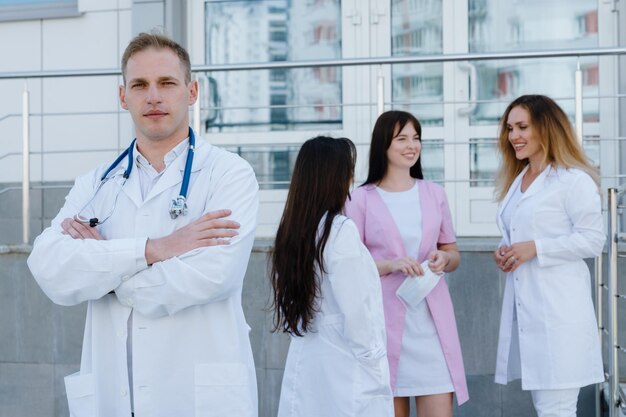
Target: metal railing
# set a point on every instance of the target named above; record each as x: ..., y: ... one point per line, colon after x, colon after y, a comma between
x: 616, y: 398
x: 380, y: 93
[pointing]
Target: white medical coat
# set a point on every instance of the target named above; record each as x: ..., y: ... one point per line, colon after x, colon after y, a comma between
x: 339, y: 369
x: 191, y: 354
x: 551, y: 293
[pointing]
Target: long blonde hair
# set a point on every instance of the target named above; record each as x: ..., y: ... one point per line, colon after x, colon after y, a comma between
x: 555, y: 135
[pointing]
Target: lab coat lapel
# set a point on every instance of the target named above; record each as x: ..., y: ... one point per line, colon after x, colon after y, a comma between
x: 393, y: 238
x: 537, y: 184
x: 132, y: 188
x: 509, y: 194
x: 428, y: 207
x: 173, y: 175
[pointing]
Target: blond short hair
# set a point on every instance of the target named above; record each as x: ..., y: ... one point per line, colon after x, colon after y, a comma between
x: 157, y: 41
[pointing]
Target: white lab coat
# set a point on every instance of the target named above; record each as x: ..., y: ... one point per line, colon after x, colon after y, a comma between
x: 551, y: 293
x: 191, y: 354
x: 340, y: 368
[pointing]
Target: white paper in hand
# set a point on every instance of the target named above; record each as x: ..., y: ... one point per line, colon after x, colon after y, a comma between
x: 414, y: 289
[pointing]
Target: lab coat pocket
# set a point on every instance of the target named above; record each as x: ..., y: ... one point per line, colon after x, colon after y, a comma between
x: 551, y: 222
x: 373, y: 377
x: 222, y: 390
x: 80, y: 395
x: 374, y: 396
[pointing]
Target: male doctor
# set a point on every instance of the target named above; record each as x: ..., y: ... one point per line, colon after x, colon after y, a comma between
x: 165, y: 333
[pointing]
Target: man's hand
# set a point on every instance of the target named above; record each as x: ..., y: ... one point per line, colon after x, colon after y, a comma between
x: 79, y: 230
x: 209, y: 230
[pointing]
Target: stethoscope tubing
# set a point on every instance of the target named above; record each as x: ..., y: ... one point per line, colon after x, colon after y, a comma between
x: 128, y: 152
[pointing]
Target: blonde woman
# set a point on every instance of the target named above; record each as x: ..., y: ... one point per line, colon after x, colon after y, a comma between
x: 550, y: 218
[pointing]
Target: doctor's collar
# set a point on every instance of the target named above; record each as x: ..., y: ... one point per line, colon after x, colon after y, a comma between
x: 171, y: 156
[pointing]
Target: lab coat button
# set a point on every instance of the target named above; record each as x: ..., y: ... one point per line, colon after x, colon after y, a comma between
x: 124, y: 392
x: 120, y: 334
x: 125, y: 277
x: 129, y: 302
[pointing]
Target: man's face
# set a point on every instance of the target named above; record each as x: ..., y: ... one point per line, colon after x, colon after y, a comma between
x: 157, y: 96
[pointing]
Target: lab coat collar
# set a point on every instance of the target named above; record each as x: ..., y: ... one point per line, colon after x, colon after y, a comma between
x: 535, y: 187
x: 172, y: 176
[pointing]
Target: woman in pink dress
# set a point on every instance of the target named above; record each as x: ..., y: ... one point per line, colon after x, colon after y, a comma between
x: 404, y: 220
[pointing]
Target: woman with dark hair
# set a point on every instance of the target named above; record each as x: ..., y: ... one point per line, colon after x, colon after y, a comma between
x: 404, y: 220
x: 327, y: 294
x: 550, y: 216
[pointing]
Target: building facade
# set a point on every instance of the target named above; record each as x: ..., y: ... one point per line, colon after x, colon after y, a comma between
x: 266, y: 114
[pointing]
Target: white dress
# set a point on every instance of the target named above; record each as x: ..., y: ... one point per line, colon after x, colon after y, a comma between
x: 340, y: 369
x: 422, y: 369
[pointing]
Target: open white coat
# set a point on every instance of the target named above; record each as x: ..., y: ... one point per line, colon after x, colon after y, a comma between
x: 191, y: 354
x: 558, y: 334
x: 340, y: 368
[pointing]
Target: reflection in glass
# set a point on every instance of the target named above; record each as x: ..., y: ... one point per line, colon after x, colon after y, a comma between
x: 243, y: 31
x: 484, y: 161
x: 513, y: 25
x: 432, y: 160
x: 273, y: 165
x: 416, y: 29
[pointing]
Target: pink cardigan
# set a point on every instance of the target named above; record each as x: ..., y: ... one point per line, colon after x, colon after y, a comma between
x: 381, y: 236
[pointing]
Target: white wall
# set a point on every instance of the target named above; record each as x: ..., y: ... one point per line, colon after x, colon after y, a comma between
x: 80, y: 113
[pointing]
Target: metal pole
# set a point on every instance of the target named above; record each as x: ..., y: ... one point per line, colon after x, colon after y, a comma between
x: 380, y: 91
x: 612, y: 296
x: 579, y: 102
x: 25, y: 166
x: 599, y: 291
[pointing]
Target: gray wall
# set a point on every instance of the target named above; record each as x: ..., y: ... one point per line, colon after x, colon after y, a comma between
x: 40, y: 342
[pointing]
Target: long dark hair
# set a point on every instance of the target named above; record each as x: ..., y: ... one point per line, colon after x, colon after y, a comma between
x: 388, y: 124
x: 320, y: 185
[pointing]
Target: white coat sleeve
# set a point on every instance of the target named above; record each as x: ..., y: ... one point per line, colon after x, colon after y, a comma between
x: 203, y: 275
x: 586, y: 238
x: 359, y: 302
x: 70, y: 271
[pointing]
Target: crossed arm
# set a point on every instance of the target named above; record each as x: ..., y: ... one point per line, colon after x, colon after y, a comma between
x: 209, y: 230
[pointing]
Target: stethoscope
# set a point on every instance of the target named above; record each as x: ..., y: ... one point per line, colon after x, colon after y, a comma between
x: 178, y: 206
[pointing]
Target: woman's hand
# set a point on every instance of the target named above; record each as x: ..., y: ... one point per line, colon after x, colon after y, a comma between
x: 500, y: 257
x: 407, y: 265
x: 509, y: 258
x: 438, y: 260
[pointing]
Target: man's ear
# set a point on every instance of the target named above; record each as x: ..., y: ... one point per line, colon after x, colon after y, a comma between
x: 122, y: 93
x: 193, y: 91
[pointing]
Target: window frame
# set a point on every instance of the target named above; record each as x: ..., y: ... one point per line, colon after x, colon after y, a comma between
x: 38, y: 10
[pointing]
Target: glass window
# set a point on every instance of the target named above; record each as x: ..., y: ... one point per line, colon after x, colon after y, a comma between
x: 416, y: 29
x: 513, y: 25
x: 37, y: 9
x: 245, y: 31
x: 432, y: 160
x: 273, y: 165
x: 484, y: 162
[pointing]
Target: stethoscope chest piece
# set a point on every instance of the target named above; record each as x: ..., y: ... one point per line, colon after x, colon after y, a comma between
x: 178, y: 206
